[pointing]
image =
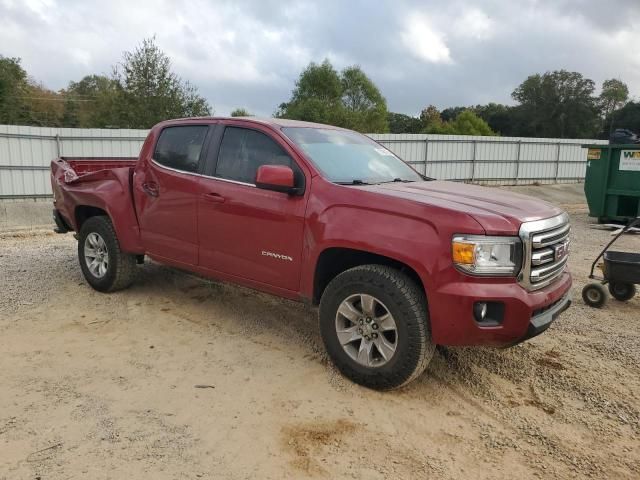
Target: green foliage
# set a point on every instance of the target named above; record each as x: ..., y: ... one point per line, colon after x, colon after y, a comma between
x: 499, y: 117
x: 14, y: 88
x: 93, y: 102
x: 401, y: 123
x: 151, y: 92
x: 466, y: 123
x: 613, y: 96
x: 24, y: 102
x: 430, y: 118
x: 347, y: 99
x: 628, y: 117
x: 556, y: 104
x: 142, y: 91
x: 366, y: 108
x: 451, y: 113
x: 241, y: 112
x: 316, y: 96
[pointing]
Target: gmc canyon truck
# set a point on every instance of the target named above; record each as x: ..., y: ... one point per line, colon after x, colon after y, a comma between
x: 397, y: 262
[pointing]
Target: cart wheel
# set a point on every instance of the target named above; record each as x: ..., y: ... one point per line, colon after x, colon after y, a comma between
x: 594, y: 295
x: 622, y: 291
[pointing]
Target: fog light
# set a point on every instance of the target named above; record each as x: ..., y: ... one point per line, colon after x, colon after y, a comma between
x: 480, y: 311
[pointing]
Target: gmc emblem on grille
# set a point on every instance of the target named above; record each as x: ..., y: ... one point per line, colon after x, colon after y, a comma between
x: 560, y: 251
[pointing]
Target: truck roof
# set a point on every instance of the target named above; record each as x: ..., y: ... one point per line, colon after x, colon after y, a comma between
x: 274, y: 122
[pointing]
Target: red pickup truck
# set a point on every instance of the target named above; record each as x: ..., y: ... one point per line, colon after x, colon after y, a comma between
x: 396, y: 261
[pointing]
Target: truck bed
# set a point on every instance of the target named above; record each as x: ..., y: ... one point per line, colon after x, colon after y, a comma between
x: 103, y: 183
x: 81, y: 166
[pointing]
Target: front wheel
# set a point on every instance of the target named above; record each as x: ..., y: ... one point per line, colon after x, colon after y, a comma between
x: 594, y: 295
x: 374, y: 325
x: 105, y: 267
x: 622, y: 291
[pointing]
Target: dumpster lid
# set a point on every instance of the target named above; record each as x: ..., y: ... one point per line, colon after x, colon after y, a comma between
x: 626, y: 146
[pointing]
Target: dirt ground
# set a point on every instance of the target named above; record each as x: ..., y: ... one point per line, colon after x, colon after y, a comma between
x: 183, y: 378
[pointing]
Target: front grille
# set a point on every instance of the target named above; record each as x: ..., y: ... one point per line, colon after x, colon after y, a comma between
x: 546, y: 244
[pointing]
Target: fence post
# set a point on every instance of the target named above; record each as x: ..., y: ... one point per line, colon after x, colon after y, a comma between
x: 426, y: 153
x: 473, y: 162
x: 518, y: 162
x: 58, y: 146
x: 558, y: 163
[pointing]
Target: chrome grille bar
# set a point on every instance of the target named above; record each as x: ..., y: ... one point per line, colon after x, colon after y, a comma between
x: 544, y: 273
x: 545, y: 251
x: 542, y: 256
x: 550, y: 238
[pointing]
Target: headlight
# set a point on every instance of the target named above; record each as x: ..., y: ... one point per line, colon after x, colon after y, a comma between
x: 482, y: 255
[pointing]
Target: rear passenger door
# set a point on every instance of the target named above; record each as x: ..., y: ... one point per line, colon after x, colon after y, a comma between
x: 244, y: 231
x: 165, y: 192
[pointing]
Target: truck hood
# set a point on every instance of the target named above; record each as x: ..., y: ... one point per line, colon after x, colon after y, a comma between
x: 498, y: 211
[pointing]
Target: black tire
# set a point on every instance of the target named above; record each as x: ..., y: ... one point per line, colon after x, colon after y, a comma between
x: 405, y: 301
x: 622, y: 291
x: 594, y: 295
x: 121, y: 269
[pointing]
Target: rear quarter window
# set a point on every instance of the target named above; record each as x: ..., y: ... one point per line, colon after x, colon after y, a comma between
x: 179, y: 147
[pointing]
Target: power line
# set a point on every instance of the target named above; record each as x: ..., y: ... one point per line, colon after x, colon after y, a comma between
x: 52, y: 99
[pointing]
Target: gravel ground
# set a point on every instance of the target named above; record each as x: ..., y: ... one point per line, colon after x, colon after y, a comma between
x: 183, y: 378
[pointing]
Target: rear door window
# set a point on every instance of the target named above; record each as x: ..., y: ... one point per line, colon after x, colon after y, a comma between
x: 179, y: 147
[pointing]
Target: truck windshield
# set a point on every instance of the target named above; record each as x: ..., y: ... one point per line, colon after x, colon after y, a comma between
x: 350, y: 158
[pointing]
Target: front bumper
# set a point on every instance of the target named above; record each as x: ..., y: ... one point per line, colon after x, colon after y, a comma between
x: 526, y: 313
x: 543, y: 320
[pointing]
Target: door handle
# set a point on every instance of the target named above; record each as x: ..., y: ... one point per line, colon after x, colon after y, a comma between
x: 150, y: 188
x: 213, y: 198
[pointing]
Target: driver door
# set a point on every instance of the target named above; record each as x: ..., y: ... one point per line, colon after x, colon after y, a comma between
x: 244, y: 231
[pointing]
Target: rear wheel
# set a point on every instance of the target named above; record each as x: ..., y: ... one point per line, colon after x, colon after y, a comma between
x: 622, y: 291
x: 373, y: 321
x: 105, y: 267
x: 594, y: 295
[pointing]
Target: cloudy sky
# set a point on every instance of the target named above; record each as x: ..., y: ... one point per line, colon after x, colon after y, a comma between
x: 249, y: 53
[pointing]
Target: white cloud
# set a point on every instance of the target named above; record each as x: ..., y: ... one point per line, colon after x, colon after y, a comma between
x: 474, y: 23
x: 423, y: 41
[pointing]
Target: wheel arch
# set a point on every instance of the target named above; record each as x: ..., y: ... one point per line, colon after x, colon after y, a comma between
x: 332, y: 261
x: 83, y: 212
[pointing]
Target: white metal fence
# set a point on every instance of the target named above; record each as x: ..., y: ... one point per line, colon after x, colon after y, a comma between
x: 492, y: 160
x: 25, y: 154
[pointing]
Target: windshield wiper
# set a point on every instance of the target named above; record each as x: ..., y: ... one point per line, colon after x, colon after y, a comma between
x: 402, y: 180
x: 355, y: 181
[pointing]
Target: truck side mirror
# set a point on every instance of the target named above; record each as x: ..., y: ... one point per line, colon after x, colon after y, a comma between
x: 278, y: 178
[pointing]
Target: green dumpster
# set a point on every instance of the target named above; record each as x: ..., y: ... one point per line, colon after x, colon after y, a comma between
x: 612, y: 183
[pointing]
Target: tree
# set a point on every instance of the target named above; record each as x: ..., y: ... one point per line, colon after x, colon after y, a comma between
x: 628, y: 117
x: 466, y: 123
x: 240, y: 112
x: 614, y: 95
x: 14, y: 88
x: 317, y: 96
x: 366, y: 108
x: 557, y: 104
x: 347, y: 99
x: 44, y: 106
x: 451, y: 113
x: 430, y: 118
x: 499, y: 117
x: 401, y: 123
x: 151, y: 92
x: 93, y: 102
